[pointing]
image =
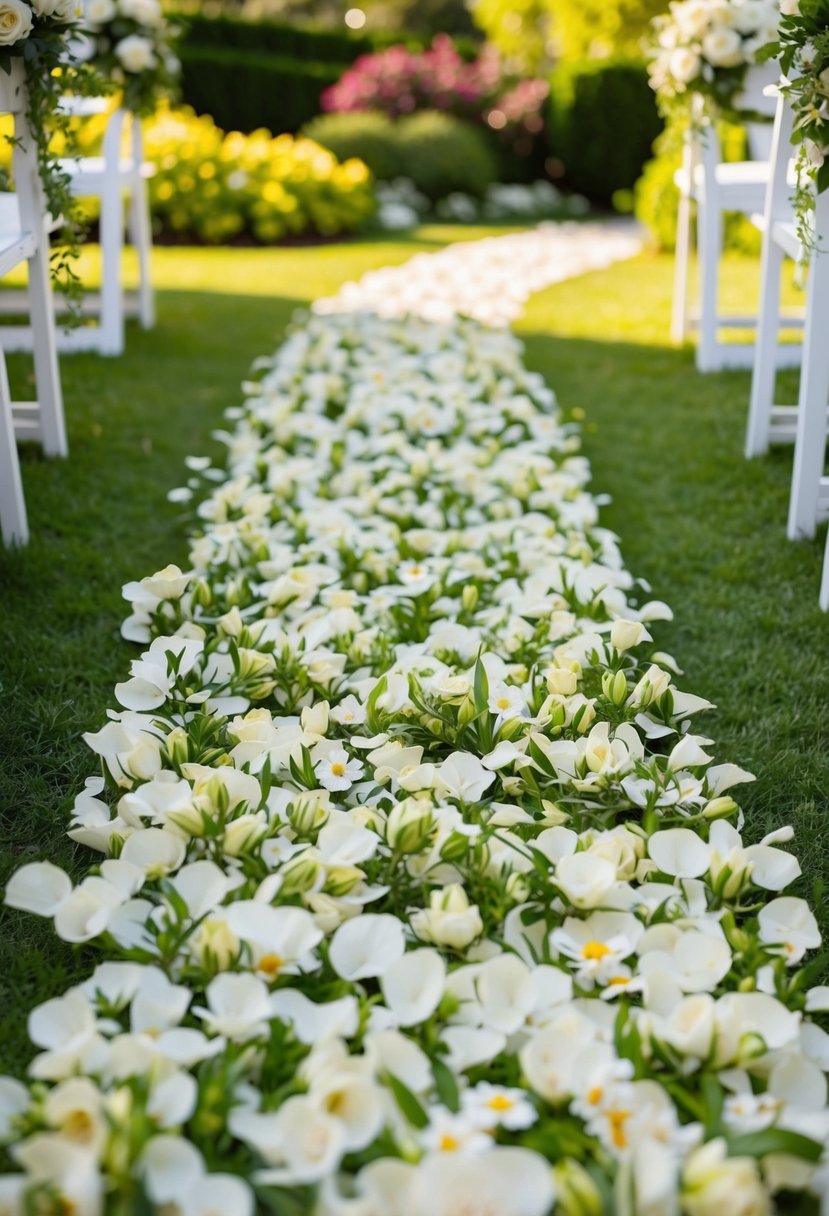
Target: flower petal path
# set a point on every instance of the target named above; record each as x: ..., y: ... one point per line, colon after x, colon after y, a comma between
x: 420, y: 895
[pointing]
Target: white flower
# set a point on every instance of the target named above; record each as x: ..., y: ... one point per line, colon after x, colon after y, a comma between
x: 15, y: 22
x: 336, y: 771
x: 723, y: 47
x: 301, y: 1142
x: 498, y: 1182
x: 238, y: 1006
x: 584, y: 880
x: 496, y: 1106
x: 135, y: 53
x: 413, y: 986
x: 713, y: 1183
x: 790, y: 923
x: 56, y: 10
x: 366, y: 946
x: 462, y: 776
x: 280, y: 939
x: 96, y: 13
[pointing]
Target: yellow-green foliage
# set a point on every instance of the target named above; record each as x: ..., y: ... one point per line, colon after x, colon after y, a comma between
x: 216, y: 186
x: 532, y: 32
x: 657, y: 196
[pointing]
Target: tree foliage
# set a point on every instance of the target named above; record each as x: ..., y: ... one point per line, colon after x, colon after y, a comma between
x: 532, y: 32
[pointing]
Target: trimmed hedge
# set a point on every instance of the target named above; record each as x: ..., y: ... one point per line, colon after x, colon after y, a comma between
x: 244, y: 91
x: 248, y: 74
x: 281, y: 38
x: 603, y: 121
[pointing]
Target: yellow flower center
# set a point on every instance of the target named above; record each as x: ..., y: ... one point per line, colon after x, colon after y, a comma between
x: 338, y: 769
x: 448, y: 1143
x: 617, y: 1120
x: 595, y: 951
x: 79, y: 1125
x: 594, y: 1095
x: 500, y: 1102
x: 271, y: 965
x: 503, y: 702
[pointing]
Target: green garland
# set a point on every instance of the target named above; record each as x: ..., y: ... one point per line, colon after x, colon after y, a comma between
x: 803, y: 51
x: 45, y: 29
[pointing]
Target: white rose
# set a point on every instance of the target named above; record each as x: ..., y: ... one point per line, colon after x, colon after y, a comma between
x: 135, y: 54
x: 684, y: 65
x: 692, y: 18
x: 723, y: 48
x: 57, y: 10
x: 15, y: 22
x: 145, y: 12
x: 790, y: 8
x: 714, y: 1183
x: 98, y: 12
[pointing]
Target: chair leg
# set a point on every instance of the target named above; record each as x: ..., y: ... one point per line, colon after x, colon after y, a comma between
x: 13, y: 522
x: 764, y: 377
x: 682, y: 258
x: 112, y: 293
x: 810, y: 444
x: 140, y: 229
x: 47, y: 375
x: 824, y: 582
x: 709, y: 228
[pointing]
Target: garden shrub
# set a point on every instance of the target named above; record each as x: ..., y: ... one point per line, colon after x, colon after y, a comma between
x: 442, y: 155
x: 603, y: 121
x: 399, y: 82
x: 368, y: 135
x: 217, y: 186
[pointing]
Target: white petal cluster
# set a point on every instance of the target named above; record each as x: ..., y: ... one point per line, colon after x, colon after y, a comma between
x: 705, y: 46
x: 417, y: 892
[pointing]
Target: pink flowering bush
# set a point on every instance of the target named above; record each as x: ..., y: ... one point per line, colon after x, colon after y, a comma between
x: 398, y: 81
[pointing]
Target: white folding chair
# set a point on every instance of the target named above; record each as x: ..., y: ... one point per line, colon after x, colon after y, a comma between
x: 117, y: 176
x: 714, y: 187
x: 805, y: 423
x: 24, y: 238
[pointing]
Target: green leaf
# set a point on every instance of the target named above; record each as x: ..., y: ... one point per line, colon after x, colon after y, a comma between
x: 713, y: 1095
x: 775, y: 1140
x: 446, y: 1086
x: 408, y: 1103
x: 481, y: 687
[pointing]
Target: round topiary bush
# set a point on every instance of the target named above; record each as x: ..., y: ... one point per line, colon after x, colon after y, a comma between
x: 443, y: 155
x: 367, y: 135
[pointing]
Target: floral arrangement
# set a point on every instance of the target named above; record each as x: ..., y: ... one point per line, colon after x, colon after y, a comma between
x: 398, y: 81
x: 37, y: 34
x: 703, y: 49
x: 418, y: 892
x: 129, y: 42
x: 803, y: 50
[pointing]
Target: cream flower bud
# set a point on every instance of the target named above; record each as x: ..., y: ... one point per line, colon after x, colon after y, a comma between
x: 626, y: 634
x: 450, y: 920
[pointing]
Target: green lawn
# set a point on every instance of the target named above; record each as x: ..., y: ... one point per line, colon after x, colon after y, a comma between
x: 705, y: 528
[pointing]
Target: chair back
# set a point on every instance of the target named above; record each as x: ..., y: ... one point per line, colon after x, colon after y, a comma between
x: 757, y: 97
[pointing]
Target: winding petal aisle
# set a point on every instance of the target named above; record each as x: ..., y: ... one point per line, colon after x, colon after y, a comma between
x: 422, y: 895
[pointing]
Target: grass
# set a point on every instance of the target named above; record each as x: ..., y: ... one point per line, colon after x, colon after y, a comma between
x: 705, y: 528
